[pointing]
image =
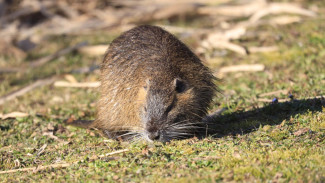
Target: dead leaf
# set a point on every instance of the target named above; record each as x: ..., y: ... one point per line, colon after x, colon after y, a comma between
x: 145, y: 151
x: 301, y: 131
x: 71, y: 119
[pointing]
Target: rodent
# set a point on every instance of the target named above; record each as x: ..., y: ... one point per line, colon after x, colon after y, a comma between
x: 153, y: 87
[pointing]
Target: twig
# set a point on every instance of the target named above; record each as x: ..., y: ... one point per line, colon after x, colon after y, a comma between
x: 233, y: 11
x: 262, y: 49
x: 277, y: 8
x: 270, y: 100
x: 35, y: 169
x: 283, y: 20
x: 234, y: 33
x: 115, y: 152
x: 70, y: 78
x: 38, y: 168
x: 26, y: 89
x: 225, y: 45
x: 41, y: 150
x: 77, y: 85
x: 273, y: 93
x: 93, y: 50
x: 241, y: 68
x: 13, y: 115
x: 48, y: 58
x: 188, y: 30
x: 50, y: 135
x: 64, y: 165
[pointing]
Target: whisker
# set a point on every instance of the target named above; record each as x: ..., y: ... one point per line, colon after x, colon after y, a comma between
x: 204, y: 112
x: 180, y: 122
x: 177, y: 134
x: 126, y: 134
x: 185, y: 125
x: 136, y: 138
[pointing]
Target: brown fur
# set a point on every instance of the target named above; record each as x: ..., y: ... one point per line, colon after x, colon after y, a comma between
x: 151, y: 82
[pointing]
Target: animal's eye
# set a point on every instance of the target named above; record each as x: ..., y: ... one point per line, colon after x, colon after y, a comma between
x: 180, y: 86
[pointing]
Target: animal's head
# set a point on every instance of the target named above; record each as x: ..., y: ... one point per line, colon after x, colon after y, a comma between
x: 172, y: 108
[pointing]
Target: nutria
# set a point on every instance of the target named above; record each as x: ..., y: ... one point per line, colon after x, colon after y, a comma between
x: 153, y: 87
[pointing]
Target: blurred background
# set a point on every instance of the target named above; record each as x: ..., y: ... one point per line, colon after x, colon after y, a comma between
x: 28, y: 27
x: 63, y: 42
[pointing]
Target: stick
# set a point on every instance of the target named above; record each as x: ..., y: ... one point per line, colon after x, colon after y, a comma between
x: 48, y: 58
x: 262, y: 49
x: 270, y: 100
x: 283, y: 20
x: 94, y: 50
x: 273, y: 93
x: 26, y: 89
x: 277, y: 8
x: 38, y: 168
x: 13, y: 115
x: 233, y: 11
x: 64, y: 165
x: 225, y: 45
x: 246, y: 68
x: 115, y: 152
x: 35, y: 169
x: 76, y: 85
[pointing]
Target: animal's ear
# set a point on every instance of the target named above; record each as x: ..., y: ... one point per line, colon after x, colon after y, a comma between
x: 180, y: 86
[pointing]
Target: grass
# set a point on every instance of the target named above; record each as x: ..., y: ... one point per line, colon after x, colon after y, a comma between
x: 253, y: 141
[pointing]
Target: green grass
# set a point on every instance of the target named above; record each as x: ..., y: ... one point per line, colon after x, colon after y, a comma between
x: 251, y: 141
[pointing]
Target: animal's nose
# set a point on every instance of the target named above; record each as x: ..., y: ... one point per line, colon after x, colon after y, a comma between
x: 154, y: 135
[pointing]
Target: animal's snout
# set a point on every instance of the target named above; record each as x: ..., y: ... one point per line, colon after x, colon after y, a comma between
x: 154, y: 135
x: 153, y: 132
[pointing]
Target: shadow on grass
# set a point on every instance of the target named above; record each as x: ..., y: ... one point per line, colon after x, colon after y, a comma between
x: 248, y: 121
